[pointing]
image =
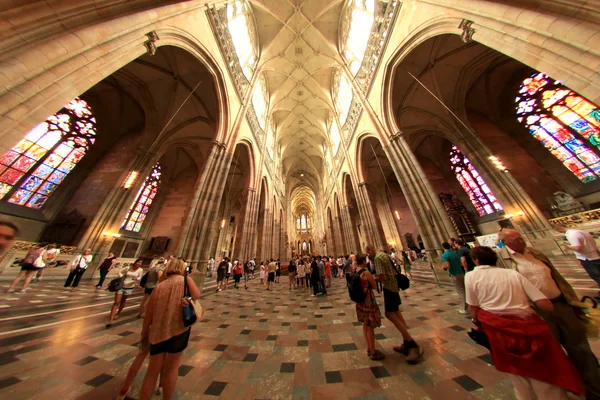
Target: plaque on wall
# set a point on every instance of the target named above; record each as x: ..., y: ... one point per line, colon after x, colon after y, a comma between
x: 130, y: 250
x: 117, y: 247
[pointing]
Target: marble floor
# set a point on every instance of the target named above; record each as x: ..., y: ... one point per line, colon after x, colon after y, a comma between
x: 251, y: 344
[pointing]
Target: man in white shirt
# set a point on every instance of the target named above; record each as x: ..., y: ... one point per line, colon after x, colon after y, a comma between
x: 507, y: 294
x: 78, y: 267
x: 585, y: 248
x: 564, y: 322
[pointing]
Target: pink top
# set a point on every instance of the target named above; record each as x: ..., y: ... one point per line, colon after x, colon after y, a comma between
x: 167, y: 320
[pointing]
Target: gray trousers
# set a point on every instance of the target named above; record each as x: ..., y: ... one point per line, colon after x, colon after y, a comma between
x: 459, y: 285
x: 569, y: 330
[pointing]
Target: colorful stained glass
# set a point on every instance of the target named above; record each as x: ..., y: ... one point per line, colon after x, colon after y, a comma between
x: 141, y: 205
x: 29, y: 169
x: 563, y: 122
x: 473, y: 184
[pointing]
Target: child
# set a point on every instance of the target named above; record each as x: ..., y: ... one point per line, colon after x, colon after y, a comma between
x: 368, y: 312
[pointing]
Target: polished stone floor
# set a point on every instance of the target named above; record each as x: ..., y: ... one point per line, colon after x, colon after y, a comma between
x: 251, y: 344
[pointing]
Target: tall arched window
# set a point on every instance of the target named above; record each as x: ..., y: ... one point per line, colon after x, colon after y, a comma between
x: 298, y: 228
x: 141, y: 205
x: 260, y: 101
x: 479, y: 192
x: 308, y: 224
x: 358, y: 24
x: 342, y: 95
x: 303, y: 222
x: 32, y: 170
x: 242, y: 33
x: 564, y: 122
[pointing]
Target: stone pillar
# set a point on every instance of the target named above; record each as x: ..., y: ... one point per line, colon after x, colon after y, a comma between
x: 113, y: 211
x: 243, y: 247
x: 340, y: 234
x: 510, y: 194
x: 372, y: 234
x: 431, y: 217
x: 195, y: 245
x: 353, y: 241
x: 188, y: 233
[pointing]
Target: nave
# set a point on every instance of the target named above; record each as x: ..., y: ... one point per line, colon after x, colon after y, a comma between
x: 251, y: 344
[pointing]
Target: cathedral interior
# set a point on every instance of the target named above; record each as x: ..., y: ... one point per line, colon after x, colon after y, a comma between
x: 268, y: 129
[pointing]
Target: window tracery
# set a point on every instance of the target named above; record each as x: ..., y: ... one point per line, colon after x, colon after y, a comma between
x: 34, y: 168
x: 342, y: 95
x: 242, y: 32
x: 479, y: 192
x: 355, y: 39
x: 141, y: 205
x: 563, y: 122
x: 260, y: 101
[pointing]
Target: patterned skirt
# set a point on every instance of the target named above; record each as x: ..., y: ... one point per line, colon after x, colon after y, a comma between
x: 368, y: 312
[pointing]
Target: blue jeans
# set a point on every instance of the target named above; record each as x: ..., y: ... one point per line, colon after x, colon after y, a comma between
x: 592, y: 267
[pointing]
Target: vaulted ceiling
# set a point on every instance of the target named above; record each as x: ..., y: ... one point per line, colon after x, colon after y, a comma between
x: 299, y: 51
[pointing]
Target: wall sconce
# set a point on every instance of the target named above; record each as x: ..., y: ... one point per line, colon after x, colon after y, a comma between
x: 497, y: 163
x: 130, y: 180
x: 508, y: 216
x: 115, y: 235
x: 222, y: 224
x: 398, y: 215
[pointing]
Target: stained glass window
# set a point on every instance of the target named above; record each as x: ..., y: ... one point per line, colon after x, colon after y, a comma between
x: 473, y: 184
x: 303, y: 223
x: 298, y: 225
x: 33, y: 169
x: 141, y: 205
x: 241, y: 32
x: 565, y: 123
x: 356, y: 38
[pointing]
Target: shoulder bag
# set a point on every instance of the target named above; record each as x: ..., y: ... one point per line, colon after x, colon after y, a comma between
x: 192, y: 312
x: 403, y: 281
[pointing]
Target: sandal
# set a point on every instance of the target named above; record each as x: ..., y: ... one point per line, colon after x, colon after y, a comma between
x: 376, y: 355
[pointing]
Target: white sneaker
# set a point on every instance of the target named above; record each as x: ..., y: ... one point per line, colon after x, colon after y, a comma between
x: 312, y: 295
x: 463, y: 312
x: 10, y: 291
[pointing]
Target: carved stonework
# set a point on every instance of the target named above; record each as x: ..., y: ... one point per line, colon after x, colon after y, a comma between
x: 218, y: 18
x: 467, y: 30
x: 150, y: 43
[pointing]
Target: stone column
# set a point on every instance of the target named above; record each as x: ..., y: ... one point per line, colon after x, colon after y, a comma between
x: 433, y: 221
x: 340, y: 234
x: 243, y: 247
x: 113, y: 211
x: 369, y: 220
x: 510, y: 194
x: 188, y: 233
x: 352, y: 239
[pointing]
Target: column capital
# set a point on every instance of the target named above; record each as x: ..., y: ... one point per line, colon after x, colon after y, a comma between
x: 218, y: 144
x: 251, y: 189
x: 361, y: 184
x: 396, y: 136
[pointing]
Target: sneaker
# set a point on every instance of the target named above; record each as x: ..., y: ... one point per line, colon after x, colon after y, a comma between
x: 312, y: 295
x: 22, y: 291
x: 463, y: 312
x: 415, y: 354
x: 10, y: 291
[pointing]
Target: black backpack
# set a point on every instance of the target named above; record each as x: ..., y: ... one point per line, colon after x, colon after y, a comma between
x: 144, y: 279
x: 355, y: 289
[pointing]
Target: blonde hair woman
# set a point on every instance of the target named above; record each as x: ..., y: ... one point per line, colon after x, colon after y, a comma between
x: 164, y: 329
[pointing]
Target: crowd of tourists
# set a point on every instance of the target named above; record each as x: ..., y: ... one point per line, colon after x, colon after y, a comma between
x: 528, y: 316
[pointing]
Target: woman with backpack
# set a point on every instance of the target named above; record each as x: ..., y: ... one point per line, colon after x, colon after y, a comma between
x: 33, y: 261
x: 149, y: 282
x: 367, y: 310
x: 130, y: 276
